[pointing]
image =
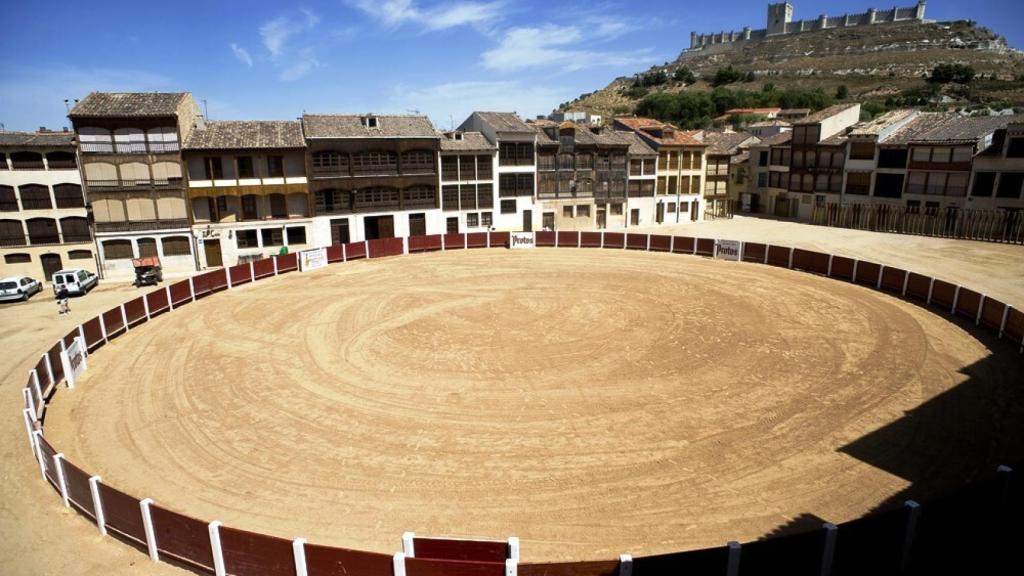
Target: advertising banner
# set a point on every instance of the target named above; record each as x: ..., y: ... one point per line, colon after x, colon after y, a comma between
x: 73, y: 358
x: 728, y: 250
x: 521, y: 240
x: 312, y: 259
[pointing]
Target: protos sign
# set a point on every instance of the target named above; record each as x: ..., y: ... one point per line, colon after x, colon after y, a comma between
x: 521, y: 240
x: 73, y: 359
x: 728, y: 250
x: 313, y: 259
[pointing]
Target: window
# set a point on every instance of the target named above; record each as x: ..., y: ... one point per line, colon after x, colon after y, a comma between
x: 670, y: 207
x: 892, y: 158
x: 329, y: 201
x: 548, y: 220
x: 956, y: 184
x: 857, y: 183
x: 450, y: 167
x: 245, y: 169
x: 379, y: 197
x: 275, y: 166
x: 453, y: 225
x: 916, y: 182
x: 79, y: 255
x: 585, y: 161
x: 1016, y: 148
x: 296, y: 234
x: 684, y: 206
x: 177, y: 246
x: 330, y: 161
x: 583, y: 211
x: 68, y: 196
x: 96, y: 140
x: 567, y: 212
x: 272, y: 236
x: 17, y: 258
x: 1010, y: 184
x: 484, y: 167
x: 485, y: 193
x: 117, y: 250
x: 75, y: 229
x: 147, y: 247
x: 984, y: 184
x: 762, y: 158
x: 616, y: 209
x: 913, y: 206
x: 762, y: 179
x: 450, y: 198
x: 888, y: 185
x: 862, y: 151
x: 485, y: 219
x: 508, y: 206
x: 278, y: 206
x: 214, y: 168
x: 468, y: 196
x: 936, y: 183
x: 35, y: 197
x: 942, y: 155
x: 375, y: 162
x: 962, y: 154
x: 339, y: 231
x: 8, y: 201
x: 472, y: 220
x: 419, y: 197
x: 57, y: 161
x: 418, y: 161
x: 246, y: 238
x: 921, y: 154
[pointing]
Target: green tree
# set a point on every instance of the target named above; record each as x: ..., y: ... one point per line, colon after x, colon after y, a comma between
x: 727, y: 75
x: 956, y: 73
x: 842, y: 93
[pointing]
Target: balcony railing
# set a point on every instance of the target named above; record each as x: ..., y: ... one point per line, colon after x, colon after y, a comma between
x: 127, y: 185
x: 128, y: 148
x: 28, y: 165
x: 62, y: 164
x: 140, y: 225
x: 47, y: 239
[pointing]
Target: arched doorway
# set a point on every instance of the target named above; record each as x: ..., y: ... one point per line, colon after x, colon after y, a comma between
x: 51, y: 263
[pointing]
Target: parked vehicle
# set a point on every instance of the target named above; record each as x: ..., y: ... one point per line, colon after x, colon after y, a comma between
x: 148, y: 271
x: 76, y: 280
x: 18, y: 288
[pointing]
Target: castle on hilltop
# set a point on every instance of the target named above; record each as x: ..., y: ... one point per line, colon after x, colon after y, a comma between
x: 780, y: 21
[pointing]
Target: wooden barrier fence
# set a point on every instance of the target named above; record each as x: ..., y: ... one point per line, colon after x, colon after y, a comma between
x: 986, y: 225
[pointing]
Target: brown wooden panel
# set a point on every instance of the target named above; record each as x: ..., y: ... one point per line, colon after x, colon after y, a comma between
x: 355, y: 250
x: 943, y: 293
x: 265, y: 267
x: 499, y: 239
x: 778, y: 256
x: 544, y: 239
x: 636, y: 241
x: 568, y: 239
x: 454, y: 241
x: 432, y: 567
x: 992, y: 313
x: 328, y: 561
x: 135, y: 310
x: 394, y: 246
x: 240, y: 274
x: 803, y: 260
x: 122, y: 513
x: 917, y: 285
x: 892, y: 279
x: 202, y: 284
x: 78, y: 488
x: 287, y: 262
x: 252, y: 554
x: 595, y: 568
x: 55, y: 363
x: 842, y: 267
x: 752, y: 251
x: 184, y: 538
x: 470, y: 550
x: 70, y: 336
x: 476, y: 240
x: 424, y: 243
x: 50, y: 469
x: 334, y: 253
x: 614, y: 240
x: 157, y: 301
x: 590, y: 239
x: 660, y: 243
x: 181, y: 293
x: 968, y: 303
x: 94, y: 334
x: 377, y: 248
x: 113, y: 322
x: 706, y: 246
x: 1015, y: 326
x: 867, y: 273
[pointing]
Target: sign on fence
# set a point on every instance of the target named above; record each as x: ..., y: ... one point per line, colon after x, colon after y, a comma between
x: 312, y: 259
x: 727, y: 250
x: 73, y: 359
x: 521, y: 240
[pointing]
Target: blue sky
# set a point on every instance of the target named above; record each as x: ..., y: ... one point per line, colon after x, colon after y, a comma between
x: 273, y: 60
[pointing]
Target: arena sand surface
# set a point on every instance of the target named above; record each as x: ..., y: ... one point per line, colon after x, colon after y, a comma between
x: 590, y: 402
x: 38, y: 536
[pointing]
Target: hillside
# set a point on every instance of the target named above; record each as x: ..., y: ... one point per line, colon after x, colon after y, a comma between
x: 877, y: 63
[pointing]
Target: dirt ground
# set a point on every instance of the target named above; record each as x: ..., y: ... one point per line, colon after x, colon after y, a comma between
x: 688, y: 406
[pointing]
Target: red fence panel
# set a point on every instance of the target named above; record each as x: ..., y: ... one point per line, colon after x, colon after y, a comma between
x: 943, y: 294
x: 425, y: 243
x: 590, y: 239
x: 287, y: 262
x: 992, y: 313
x: 50, y: 469
x: 706, y: 561
x: 44, y: 376
x: 70, y: 336
x: 377, y: 248
x: 264, y: 267
x: 636, y: 241
x: 240, y: 274
x: 113, y: 322
x: 135, y: 310
x: 94, y: 334
x: 893, y: 278
x: 842, y: 267
x: 78, y: 489
x: 432, y: 567
x: 614, y: 240
x: 594, y: 568
x: 705, y: 246
x: 1015, y: 326
x: 778, y: 256
x: 968, y: 303
x: 469, y: 550
x: 499, y: 239
x: 355, y: 250
x: 568, y: 239
x: 867, y: 273
x: 918, y: 285
x: 202, y: 284
x: 395, y: 246
x: 454, y: 242
x: 544, y: 239
x: 660, y: 243
x: 476, y: 240
x: 752, y: 251
x: 328, y: 561
x: 254, y: 554
x: 157, y: 301
x: 181, y: 293
x: 122, y: 513
x: 805, y: 260
x: 334, y: 254
x: 55, y: 363
x: 185, y: 539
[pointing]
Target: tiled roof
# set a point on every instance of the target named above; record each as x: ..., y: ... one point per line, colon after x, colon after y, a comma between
x: 779, y: 139
x: 246, y: 135
x: 637, y: 146
x: 470, y: 141
x: 966, y: 129
x: 835, y: 140
x: 741, y: 158
x: 821, y: 115
x: 876, y: 125
x: 648, y: 125
x: 504, y: 122
x: 720, y: 143
x: 133, y: 104
x: 351, y: 126
x: 36, y: 139
x: 770, y: 124
x: 924, y: 122
x: 604, y: 137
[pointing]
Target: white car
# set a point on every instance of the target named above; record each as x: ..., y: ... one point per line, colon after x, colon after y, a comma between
x: 18, y: 288
x: 76, y: 280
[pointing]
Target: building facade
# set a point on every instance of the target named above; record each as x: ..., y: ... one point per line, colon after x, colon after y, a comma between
x: 997, y: 181
x: 642, y: 183
x: 819, y: 156
x: 468, y: 194
x: 131, y: 166
x: 247, y: 190
x: 44, y: 225
x: 517, y: 167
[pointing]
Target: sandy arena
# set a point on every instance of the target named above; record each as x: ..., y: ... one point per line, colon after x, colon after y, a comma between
x: 590, y: 402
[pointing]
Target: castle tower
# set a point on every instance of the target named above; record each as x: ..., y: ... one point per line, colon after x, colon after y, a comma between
x: 778, y: 16
x: 921, y: 5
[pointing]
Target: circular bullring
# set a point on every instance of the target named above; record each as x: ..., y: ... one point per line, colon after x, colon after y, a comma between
x: 590, y: 402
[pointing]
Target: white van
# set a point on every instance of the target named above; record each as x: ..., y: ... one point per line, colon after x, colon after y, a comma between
x: 76, y: 280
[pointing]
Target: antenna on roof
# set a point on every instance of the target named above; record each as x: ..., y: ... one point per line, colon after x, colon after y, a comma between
x: 206, y: 112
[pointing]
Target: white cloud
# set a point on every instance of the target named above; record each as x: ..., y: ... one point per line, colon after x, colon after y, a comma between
x: 395, y: 13
x: 552, y: 46
x: 454, y: 101
x: 242, y: 54
x: 292, y: 63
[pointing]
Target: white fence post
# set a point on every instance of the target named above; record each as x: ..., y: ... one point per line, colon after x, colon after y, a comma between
x: 398, y: 564
x: 49, y: 367
x: 192, y: 288
x: 906, y: 281
x: 511, y: 567
x: 147, y: 523
x: 956, y: 299
x: 252, y: 271
x: 227, y: 274
x: 62, y: 481
x: 881, y: 272
x: 829, y: 552
x: 97, y: 504
x: 556, y: 238
x: 853, y: 277
x: 1006, y: 316
x: 931, y: 287
x: 648, y: 242
x: 791, y: 250
x: 405, y: 244
x: 299, y: 552
x: 408, y: 546
x: 513, y: 548
x: 145, y: 306
x: 829, y: 271
x: 30, y: 403
x: 35, y: 384
x: 443, y: 248
x: 625, y: 565
x: 124, y: 320
x: 272, y: 259
x: 913, y: 511
x: 29, y: 428
x: 732, y: 567
x: 38, y: 436
x: 215, y: 547
x: 81, y: 334
x: 103, y: 327
x: 170, y: 301
x: 981, y: 308
x: 767, y: 247
x: 672, y: 244
x: 602, y: 238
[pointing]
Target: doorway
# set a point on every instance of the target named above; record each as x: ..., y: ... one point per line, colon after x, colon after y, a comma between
x: 527, y: 220
x: 377, y: 227
x: 634, y: 217
x: 660, y: 216
x: 418, y: 224
x: 694, y: 210
x: 213, y: 253
x: 51, y: 263
x: 453, y: 225
x: 602, y: 219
